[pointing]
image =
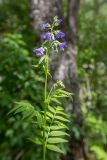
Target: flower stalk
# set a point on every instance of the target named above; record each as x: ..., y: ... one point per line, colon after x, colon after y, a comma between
x: 45, y: 107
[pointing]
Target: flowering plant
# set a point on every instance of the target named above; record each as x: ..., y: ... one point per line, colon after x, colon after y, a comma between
x: 51, y: 122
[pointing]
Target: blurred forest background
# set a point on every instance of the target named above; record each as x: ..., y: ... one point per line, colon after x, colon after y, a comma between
x: 83, y: 68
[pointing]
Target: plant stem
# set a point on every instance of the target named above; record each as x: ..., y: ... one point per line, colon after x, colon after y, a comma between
x: 45, y: 106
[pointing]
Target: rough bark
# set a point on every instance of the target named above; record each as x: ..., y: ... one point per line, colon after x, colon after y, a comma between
x: 68, y: 68
x: 64, y: 68
x: 42, y: 11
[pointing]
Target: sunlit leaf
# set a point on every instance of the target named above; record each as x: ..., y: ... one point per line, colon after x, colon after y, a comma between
x: 54, y: 148
x: 56, y: 140
x: 58, y: 133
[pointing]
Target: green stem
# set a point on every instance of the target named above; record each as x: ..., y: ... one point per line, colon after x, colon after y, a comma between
x: 45, y: 106
x: 50, y: 91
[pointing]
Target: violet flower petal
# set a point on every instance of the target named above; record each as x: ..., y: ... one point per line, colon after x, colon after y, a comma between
x: 59, y: 20
x: 46, y: 25
x: 39, y: 51
x: 60, y: 35
x: 62, y: 45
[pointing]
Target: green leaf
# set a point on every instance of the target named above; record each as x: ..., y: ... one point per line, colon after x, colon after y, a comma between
x: 68, y: 94
x: 49, y: 114
x: 51, y: 109
x: 26, y: 114
x: 36, y: 140
x: 58, y: 133
x: 19, y: 110
x: 61, y: 118
x: 25, y: 104
x: 59, y: 108
x: 62, y: 113
x: 60, y: 124
x: 41, y: 59
x: 45, y: 43
x: 56, y: 140
x: 55, y: 100
x: 36, y: 66
x: 54, y: 148
x: 48, y: 119
x: 57, y: 127
x: 39, y: 133
x: 25, y: 108
x: 39, y: 119
x: 15, y: 108
x: 49, y: 74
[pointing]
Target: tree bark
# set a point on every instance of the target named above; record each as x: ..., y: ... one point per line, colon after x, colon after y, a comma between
x: 68, y: 73
x: 64, y: 68
x: 42, y: 11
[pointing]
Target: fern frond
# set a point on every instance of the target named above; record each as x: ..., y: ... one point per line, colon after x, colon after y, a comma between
x: 28, y: 111
x: 56, y: 118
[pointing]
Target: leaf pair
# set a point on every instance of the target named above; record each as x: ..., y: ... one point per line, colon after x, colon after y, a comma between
x: 55, y: 133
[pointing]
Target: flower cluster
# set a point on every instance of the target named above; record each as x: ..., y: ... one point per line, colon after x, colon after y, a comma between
x: 52, y: 36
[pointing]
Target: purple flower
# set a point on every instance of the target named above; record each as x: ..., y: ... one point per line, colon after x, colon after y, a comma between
x: 53, y: 37
x: 46, y: 25
x: 48, y: 36
x: 59, y: 20
x: 62, y: 45
x: 60, y: 35
x: 39, y: 51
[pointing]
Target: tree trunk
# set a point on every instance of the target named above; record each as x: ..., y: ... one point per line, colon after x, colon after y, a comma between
x: 41, y: 11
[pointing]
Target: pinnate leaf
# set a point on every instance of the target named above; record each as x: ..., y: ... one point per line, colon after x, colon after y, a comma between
x: 56, y: 140
x: 61, y: 118
x: 54, y: 148
x: 58, y: 133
